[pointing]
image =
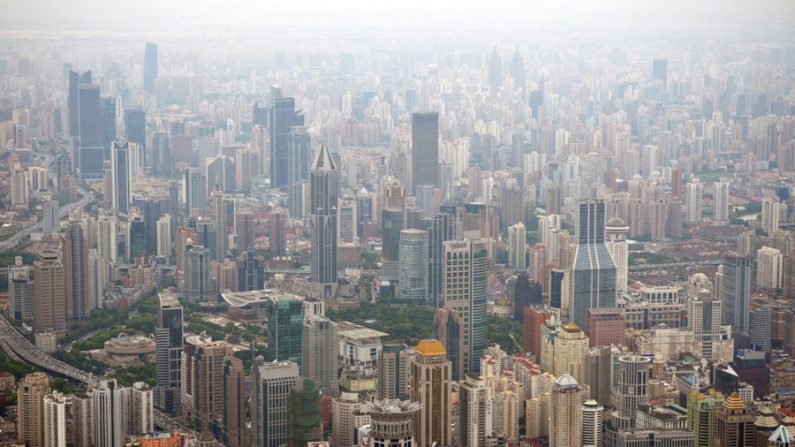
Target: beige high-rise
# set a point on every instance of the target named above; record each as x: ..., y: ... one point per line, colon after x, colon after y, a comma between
x: 430, y: 386
x: 30, y: 408
x: 50, y: 293
x: 55, y: 410
x: 565, y: 415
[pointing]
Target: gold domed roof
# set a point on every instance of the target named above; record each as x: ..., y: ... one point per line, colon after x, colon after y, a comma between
x: 734, y: 403
x: 431, y: 347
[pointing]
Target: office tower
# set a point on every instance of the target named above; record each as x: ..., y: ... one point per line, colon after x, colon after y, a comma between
x: 523, y: 293
x: 442, y: 229
x: 164, y: 236
x: 474, y: 424
x: 299, y: 155
x: 560, y: 289
x: 286, y: 329
x: 320, y: 350
x: 567, y: 350
x: 233, y: 420
x: 517, y: 237
x: 413, y: 257
x: 695, y: 191
x: 135, y: 130
x: 107, y: 414
x: 392, y: 223
x: 769, y: 268
x: 106, y: 238
x: 424, y: 149
x: 197, y: 283
x: 771, y: 212
x: 51, y: 217
x: 344, y: 410
x: 55, y: 410
x: 616, y: 232
x: 50, y: 290
x: 150, y: 66
x: 30, y: 408
x: 701, y: 411
x: 703, y: 318
x: 219, y: 217
x: 303, y: 414
x: 735, y: 424
x: 593, y: 282
x: 137, y: 413
x: 605, y: 327
x: 222, y: 174
x: 277, y: 234
x: 392, y: 372
x: 108, y: 112
x: 391, y: 422
x: 736, y: 286
x: 271, y: 390
x: 91, y: 154
x: 448, y: 328
x: 592, y: 424
x: 21, y: 292
x: 721, y: 201
x: 430, y: 386
x: 565, y: 413
x: 323, y: 205
x: 517, y: 70
x: 194, y: 188
x: 250, y: 273
x: 244, y: 230
x: 207, y: 378
x: 632, y: 390
x: 533, y: 320
x: 18, y: 189
x: 464, y: 290
x: 495, y: 70
x: 206, y: 235
x: 136, y: 239
x: 283, y: 117
x: 162, y: 163
x: 120, y: 176
x: 659, y: 71
x: 760, y: 330
x: 73, y: 100
x: 168, y: 353
x: 75, y: 259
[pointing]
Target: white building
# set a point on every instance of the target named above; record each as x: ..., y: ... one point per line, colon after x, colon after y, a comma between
x: 517, y: 237
x: 769, y: 268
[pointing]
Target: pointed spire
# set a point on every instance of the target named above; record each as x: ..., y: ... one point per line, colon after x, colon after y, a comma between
x: 323, y: 160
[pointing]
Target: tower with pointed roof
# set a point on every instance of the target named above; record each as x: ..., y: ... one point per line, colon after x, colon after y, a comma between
x: 735, y: 424
x: 324, y: 179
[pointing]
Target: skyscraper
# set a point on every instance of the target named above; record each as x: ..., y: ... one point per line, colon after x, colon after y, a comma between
x: 442, y: 229
x: 73, y: 101
x: 495, y: 70
x: 221, y: 174
x: 771, y: 211
x: 592, y: 423
x: 430, y: 386
x: 424, y: 149
x: 197, y: 283
x: 464, y: 284
x: 168, y: 354
x: 413, y: 257
x: 474, y: 424
x: 345, y: 419
x: 735, y: 424
x: 286, y: 329
x: 135, y: 130
x: 632, y: 389
x: 207, y: 380
x: 283, y: 117
x: 30, y: 408
x: 517, y: 237
x: 565, y: 412
x: 108, y: 111
x: 299, y: 155
x: 659, y: 71
x: 55, y: 421
x: 320, y: 350
x: 51, y: 217
x: 136, y: 239
x: 721, y: 201
x: 233, y: 420
x: 150, y: 66
x: 120, y: 176
x: 50, y: 290
x: 594, y: 273
x: 91, y: 154
x: 194, y: 188
x: 701, y: 410
x: 21, y: 292
x: 391, y: 422
x: 270, y: 392
x: 392, y: 372
x: 616, y: 241
x: 323, y: 206
x: 703, y: 317
x: 107, y: 414
x: 448, y: 328
x: 164, y: 236
x: 695, y: 191
x: 75, y: 257
x: 737, y: 293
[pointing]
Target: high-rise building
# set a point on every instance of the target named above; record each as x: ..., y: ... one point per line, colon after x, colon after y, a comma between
x: 164, y: 236
x: 303, y: 414
x: 424, y: 149
x: 769, y: 268
x: 52, y: 219
x: 299, y: 155
x: 659, y: 71
x: 207, y: 380
x: 632, y: 389
x: 593, y: 282
x: 616, y: 232
x: 392, y: 223
x: 273, y: 382
x: 566, y: 349
x: 735, y: 424
x: 168, y: 354
x: 55, y: 421
x: 197, y: 283
x: 107, y: 414
x: 392, y: 372
x: 448, y: 328
x: 50, y: 290
x: 721, y: 202
x: 771, y: 212
x: 73, y: 102
x: 592, y: 424
x: 320, y: 349
x: 137, y: 414
x: 701, y: 411
x: 120, y: 176
x: 345, y: 419
x: 605, y: 327
x: 431, y: 387
x: 413, y: 257
x: 135, y: 132
x: 495, y: 70
x: 442, y: 229
x: 695, y: 192
x: 150, y: 66
x: 194, y: 188
x: 286, y: 329
x: 233, y: 420
x: 221, y: 174
x: 517, y: 237
x: 703, y: 318
x: 464, y: 290
x: 30, y: 408
x: 565, y: 412
x: 91, y: 156
x: 106, y: 238
x: 80, y: 430
x: 75, y: 256
x: 277, y: 234
x: 283, y: 117
x: 136, y: 239
x: 391, y: 423
x: 760, y: 328
x: 323, y: 205
x: 21, y: 292
x: 736, y: 286
x: 474, y: 412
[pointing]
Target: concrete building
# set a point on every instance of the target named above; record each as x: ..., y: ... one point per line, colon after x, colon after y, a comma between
x: 391, y: 423
x: 392, y: 370
x: 769, y: 269
x: 721, y: 202
x: 565, y: 413
x: 695, y: 192
x: 320, y: 353
x: 616, y: 232
x: 56, y: 407
x: 431, y: 387
x: 474, y: 412
x: 168, y: 354
x: 592, y: 424
x: 30, y: 408
x: 50, y: 289
x: 413, y: 283
x: 735, y: 424
x: 271, y: 390
x: 517, y: 241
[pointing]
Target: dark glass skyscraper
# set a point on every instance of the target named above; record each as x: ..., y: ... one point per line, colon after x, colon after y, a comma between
x: 108, y: 110
x: 75, y: 256
x: 92, y: 155
x: 424, y: 149
x: 120, y: 173
x: 168, y: 339
x: 324, y: 183
x: 659, y: 71
x: 137, y: 239
x: 73, y: 101
x: 283, y: 117
x: 594, y: 272
x: 737, y: 295
x: 150, y: 66
x: 135, y: 128
x: 299, y: 155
